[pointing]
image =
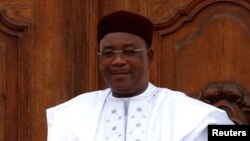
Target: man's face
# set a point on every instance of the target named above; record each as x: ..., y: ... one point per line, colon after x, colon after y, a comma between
x: 127, y: 74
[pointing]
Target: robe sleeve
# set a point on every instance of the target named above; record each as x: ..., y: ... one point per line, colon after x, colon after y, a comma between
x: 201, y: 132
x: 55, y: 132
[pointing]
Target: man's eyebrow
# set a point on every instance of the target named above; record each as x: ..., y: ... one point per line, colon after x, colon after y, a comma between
x: 107, y: 47
x: 129, y: 45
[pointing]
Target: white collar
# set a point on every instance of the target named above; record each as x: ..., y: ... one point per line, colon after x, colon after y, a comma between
x: 147, y: 93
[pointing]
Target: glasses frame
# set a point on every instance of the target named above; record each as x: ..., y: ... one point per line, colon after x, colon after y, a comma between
x: 121, y: 52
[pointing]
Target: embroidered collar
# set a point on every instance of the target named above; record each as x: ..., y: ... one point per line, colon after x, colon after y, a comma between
x: 147, y: 93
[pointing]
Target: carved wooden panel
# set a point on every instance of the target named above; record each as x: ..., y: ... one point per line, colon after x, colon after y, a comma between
x: 205, y: 42
x: 16, y: 10
x: 230, y: 97
x: 13, y: 96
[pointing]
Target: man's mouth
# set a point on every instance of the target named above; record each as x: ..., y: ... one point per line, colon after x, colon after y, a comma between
x: 120, y: 72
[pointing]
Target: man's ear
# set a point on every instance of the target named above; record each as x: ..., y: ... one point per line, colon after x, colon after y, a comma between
x: 150, y: 55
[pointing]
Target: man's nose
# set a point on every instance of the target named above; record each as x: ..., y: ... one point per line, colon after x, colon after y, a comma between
x: 119, y: 59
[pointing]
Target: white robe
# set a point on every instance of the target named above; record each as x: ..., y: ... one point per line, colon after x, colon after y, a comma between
x: 158, y: 114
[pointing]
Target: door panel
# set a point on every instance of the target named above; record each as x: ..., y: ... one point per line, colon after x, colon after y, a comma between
x: 207, y: 42
x: 48, y: 53
x: 212, y: 45
x: 11, y: 102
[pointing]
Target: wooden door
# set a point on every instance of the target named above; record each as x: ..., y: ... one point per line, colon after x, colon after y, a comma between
x: 13, y: 79
x: 206, y: 42
x: 48, y: 54
x: 43, y: 51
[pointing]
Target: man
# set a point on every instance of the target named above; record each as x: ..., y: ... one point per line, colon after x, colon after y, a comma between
x: 131, y: 109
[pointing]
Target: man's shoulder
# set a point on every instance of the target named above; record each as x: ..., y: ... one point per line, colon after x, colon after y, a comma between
x: 181, y: 100
x: 178, y: 103
x: 187, y: 113
x: 84, y: 100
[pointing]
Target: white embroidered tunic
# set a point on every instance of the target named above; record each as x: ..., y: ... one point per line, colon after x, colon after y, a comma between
x: 158, y: 114
x: 126, y: 119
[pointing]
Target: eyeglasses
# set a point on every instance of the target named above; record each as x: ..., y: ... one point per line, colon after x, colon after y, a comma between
x: 126, y: 52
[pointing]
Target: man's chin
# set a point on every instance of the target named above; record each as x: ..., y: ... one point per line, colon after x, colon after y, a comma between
x: 121, y: 88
